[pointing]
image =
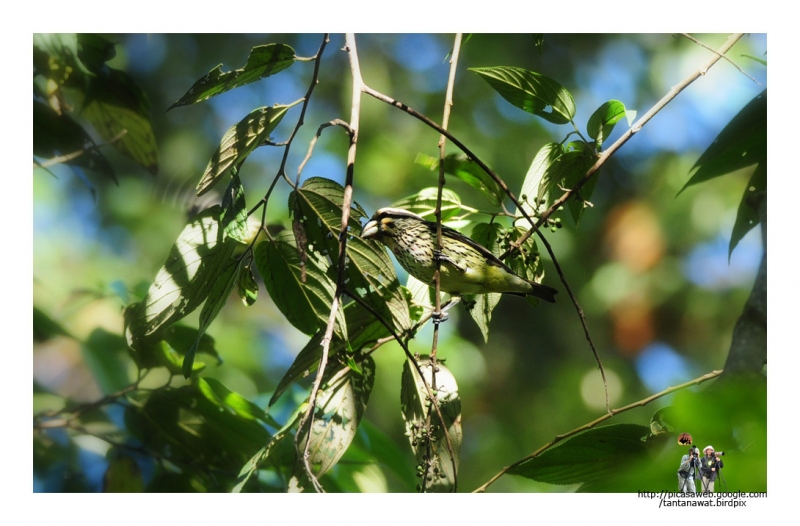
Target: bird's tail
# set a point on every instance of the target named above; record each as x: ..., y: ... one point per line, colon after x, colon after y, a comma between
x: 543, y: 292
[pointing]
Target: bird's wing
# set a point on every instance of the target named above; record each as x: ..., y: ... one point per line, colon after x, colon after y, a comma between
x: 458, y: 236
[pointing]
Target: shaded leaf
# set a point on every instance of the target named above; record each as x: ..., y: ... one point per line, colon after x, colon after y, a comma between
x: 363, y: 329
x: 123, y: 476
x: 747, y: 214
x: 340, y: 405
x: 482, y: 305
x: 105, y: 355
x: 247, y: 286
x: 566, y: 171
x: 317, y: 205
x: 305, y: 305
x: 45, y: 327
x: 56, y: 135
x: 741, y: 143
x: 263, y: 61
x: 531, y: 91
x: 594, y: 456
x: 239, y: 141
x: 117, y: 107
x: 435, y: 463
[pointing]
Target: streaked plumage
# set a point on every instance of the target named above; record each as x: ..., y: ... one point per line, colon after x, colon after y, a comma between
x: 466, y: 266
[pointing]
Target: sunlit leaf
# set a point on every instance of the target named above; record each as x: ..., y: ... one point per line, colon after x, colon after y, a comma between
x: 190, y: 273
x: 247, y: 286
x: 534, y: 195
x: 263, y: 61
x: 436, y: 466
x: 468, y: 171
x: 423, y: 203
x: 603, y: 120
x: 239, y: 141
x: 531, y: 91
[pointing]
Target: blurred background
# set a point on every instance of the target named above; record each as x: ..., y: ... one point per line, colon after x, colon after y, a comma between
x: 650, y: 269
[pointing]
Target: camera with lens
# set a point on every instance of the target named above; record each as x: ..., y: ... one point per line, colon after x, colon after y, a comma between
x: 719, y: 453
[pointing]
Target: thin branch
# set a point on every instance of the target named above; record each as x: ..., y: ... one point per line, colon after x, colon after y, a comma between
x: 634, y: 405
x: 68, y: 157
x: 355, y: 115
x: 726, y: 57
x: 334, y: 122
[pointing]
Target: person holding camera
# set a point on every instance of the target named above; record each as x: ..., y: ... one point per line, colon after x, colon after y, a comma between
x: 710, y: 465
x: 690, y: 462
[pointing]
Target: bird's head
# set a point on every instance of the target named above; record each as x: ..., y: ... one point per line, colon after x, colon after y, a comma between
x: 386, y: 223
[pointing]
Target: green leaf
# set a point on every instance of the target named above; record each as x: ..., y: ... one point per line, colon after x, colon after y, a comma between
x: 247, y: 286
x: 526, y: 262
x: 239, y: 141
x: 119, y: 109
x: 747, y: 215
x: 306, y: 305
x: 536, y: 185
x: 340, y: 405
x: 589, y: 457
x: 423, y: 203
x: 216, y: 393
x: 191, y: 272
x: 252, y: 465
x: 603, y: 120
x: 435, y: 463
x: 482, y: 305
x: 566, y: 171
x: 468, y: 171
x: 743, y: 142
x: 123, y: 476
x: 317, y: 205
x: 364, y: 330
x: 105, y: 355
x: 55, y: 135
x: 45, y: 327
x: 263, y: 61
x: 531, y: 92
x: 234, y: 215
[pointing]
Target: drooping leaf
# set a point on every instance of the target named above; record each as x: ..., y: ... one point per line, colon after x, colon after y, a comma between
x: 534, y: 195
x: 341, y: 403
x: 747, y: 215
x: 526, y: 261
x: 468, y: 171
x: 190, y: 273
x: 364, y: 330
x: 216, y: 393
x: 120, y: 112
x: 531, y: 91
x: 482, y: 305
x: 105, y: 355
x: 59, y: 135
x: 591, y: 457
x: 423, y: 203
x: 741, y: 143
x: 45, y: 327
x: 566, y: 171
x: 239, y: 141
x: 123, y: 476
x: 247, y: 286
x: 306, y: 305
x: 263, y: 61
x: 603, y: 120
x: 437, y: 465
x: 317, y: 205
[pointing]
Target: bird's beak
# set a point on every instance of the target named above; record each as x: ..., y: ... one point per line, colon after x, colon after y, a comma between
x: 370, y: 230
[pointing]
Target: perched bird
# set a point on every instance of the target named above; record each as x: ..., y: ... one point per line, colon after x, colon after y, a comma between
x: 466, y: 267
